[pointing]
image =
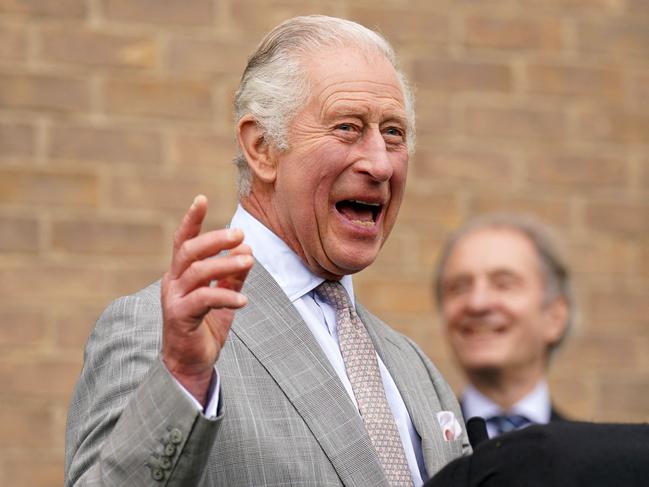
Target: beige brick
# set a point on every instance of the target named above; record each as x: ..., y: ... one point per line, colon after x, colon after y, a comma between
x: 553, y: 210
x: 598, y: 83
x: 578, y: 170
x: 624, y: 398
x: 14, y: 43
x: 98, y: 48
x: 621, y: 38
x: 29, y: 424
x: 428, y: 28
x: 105, y: 144
x: 207, y: 56
x: 458, y: 76
x: 487, y: 31
x: 47, y: 472
x: 41, y: 281
x: 46, y: 8
x: 259, y: 16
x: 464, y: 165
x: 614, y: 125
x: 44, y: 92
x: 19, y: 234
x: 170, y: 12
x: 22, y: 327
x: 637, y: 6
x: 433, y: 116
x: 644, y: 258
x: 17, y: 139
x: 640, y: 91
x: 601, y: 353
x: 101, y: 236
x: 385, y: 295
x: 579, y: 6
x: 47, y: 188
x: 625, y: 219
x: 515, y: 123
x: 625, y: 312
x: 72, y: 325
x: 205, y: 149
x: 159, y: 98
x: 175, y: 194
x: 600, y: 256
x: 423, y: 208
x: 55, y: 379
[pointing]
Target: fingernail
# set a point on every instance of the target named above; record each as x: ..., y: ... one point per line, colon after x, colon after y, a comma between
x: 243, y: 260
x: 242, y: 300
x: 193, y: 203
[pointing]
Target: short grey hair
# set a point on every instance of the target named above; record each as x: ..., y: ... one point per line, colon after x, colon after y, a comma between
x: 274, y: 85
x: 553, y: 266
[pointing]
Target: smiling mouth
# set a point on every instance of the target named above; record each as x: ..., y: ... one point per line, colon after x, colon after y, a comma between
x: 360, y: 212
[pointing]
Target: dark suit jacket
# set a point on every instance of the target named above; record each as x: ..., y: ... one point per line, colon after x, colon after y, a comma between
x: 559, y: 454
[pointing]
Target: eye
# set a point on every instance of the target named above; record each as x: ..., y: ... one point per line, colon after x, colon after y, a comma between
x: 394, y: 134
x: 347, y: 127
x: 456, y: 287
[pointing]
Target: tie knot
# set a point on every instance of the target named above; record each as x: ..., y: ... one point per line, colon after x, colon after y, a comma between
x: 334, y: 294
x: 508, y: 422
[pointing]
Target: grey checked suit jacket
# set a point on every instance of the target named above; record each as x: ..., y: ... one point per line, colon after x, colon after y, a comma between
x: 285, y: 418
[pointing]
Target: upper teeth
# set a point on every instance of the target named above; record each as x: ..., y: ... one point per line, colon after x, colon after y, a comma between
x: 365, y: 203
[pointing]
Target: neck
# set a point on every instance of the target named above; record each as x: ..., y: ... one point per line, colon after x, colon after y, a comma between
x: 505, y: 389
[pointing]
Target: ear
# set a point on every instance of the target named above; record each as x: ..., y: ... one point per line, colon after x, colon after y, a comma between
x: 257, y: 150
x: 557, y: 317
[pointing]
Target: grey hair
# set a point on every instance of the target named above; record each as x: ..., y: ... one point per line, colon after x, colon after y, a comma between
x: 554, y: 269
x: 274, y: 85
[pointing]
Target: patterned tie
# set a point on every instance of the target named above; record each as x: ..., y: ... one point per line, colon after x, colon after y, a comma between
x: 508, y: 422
x: 362, y: 368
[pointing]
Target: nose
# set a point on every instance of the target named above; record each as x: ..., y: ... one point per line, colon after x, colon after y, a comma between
x: 479, y: 299
x: 373, y: 157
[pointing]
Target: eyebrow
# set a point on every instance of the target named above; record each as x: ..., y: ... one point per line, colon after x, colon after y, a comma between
x: 344, y: 110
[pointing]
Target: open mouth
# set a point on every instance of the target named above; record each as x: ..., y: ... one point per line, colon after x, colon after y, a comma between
x: 360, y: 212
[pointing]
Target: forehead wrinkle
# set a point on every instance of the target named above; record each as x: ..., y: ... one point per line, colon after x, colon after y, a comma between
x: 351, y: 105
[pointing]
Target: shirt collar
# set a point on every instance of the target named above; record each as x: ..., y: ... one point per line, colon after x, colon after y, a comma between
x: 535, y: 406
x: 278, y: 259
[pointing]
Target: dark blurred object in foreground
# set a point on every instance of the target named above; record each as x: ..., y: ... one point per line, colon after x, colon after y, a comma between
x: 563, y: 454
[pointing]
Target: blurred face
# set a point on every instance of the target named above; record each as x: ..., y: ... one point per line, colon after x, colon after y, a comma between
x: 493, y: 304
x: 339, y: 186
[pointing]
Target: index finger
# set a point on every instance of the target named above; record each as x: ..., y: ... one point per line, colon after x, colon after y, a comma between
x: 191, y: 224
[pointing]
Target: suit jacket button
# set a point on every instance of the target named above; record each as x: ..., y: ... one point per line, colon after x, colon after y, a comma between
x: 157, y: 473
x: 176, y: 436
x: 169, y: 450
x: 165, y: 463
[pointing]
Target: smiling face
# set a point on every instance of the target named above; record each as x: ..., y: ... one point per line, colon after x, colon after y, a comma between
x: 337, y: 190
x: 493, y: 303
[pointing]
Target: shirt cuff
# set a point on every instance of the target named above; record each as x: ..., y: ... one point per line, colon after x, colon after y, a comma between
x: 213, y: 395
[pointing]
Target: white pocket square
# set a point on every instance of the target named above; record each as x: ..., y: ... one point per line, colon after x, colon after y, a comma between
x: 451, y: 428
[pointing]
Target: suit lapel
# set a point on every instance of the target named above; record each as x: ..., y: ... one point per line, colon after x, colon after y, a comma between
x: 277, y: 336
x: 407, y: 377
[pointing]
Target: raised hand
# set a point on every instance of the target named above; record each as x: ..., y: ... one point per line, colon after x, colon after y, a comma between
x: 197, y: 316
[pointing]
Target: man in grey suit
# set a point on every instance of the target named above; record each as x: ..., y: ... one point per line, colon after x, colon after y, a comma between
x: 301, y: 386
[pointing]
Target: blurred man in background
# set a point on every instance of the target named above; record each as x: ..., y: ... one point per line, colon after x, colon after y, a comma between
x: 504, y: 293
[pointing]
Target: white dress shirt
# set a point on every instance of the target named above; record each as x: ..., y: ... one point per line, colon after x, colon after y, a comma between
x: 536, y: 406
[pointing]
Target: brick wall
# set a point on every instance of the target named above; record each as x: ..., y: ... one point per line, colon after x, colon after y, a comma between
x: 115, y: 113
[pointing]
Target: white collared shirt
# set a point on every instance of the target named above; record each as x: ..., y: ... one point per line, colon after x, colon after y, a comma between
x: 298, y: 283
x: 536, y: 406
